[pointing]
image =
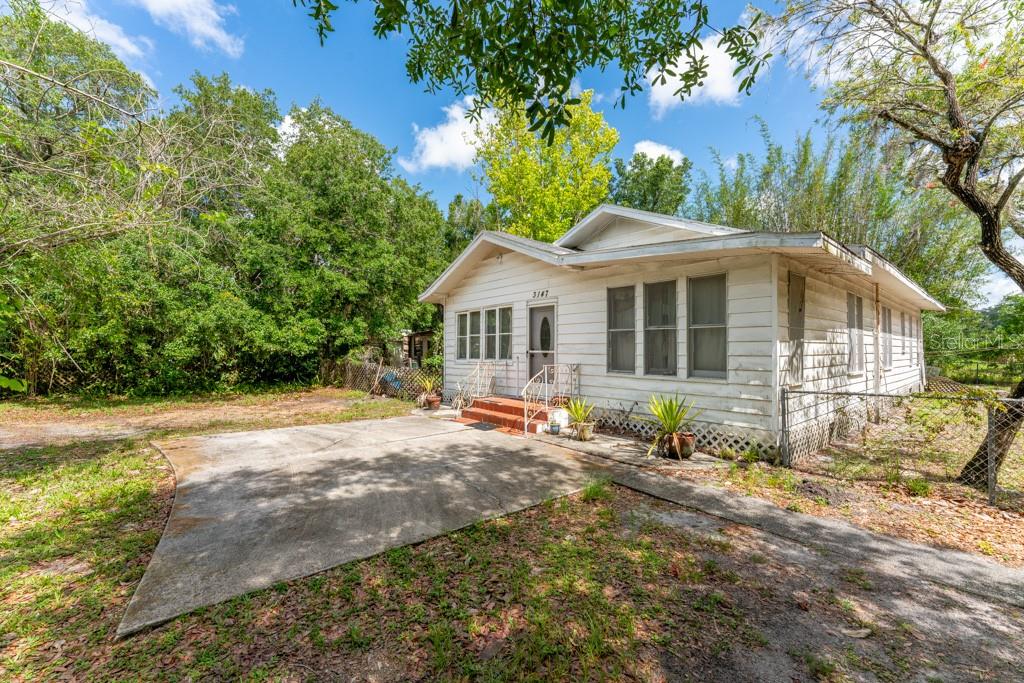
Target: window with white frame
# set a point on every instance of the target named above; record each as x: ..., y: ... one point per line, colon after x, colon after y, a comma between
x: 491, y: 333
x: 707, y: 348
x: 505, y: 333
x: 462, y: 335
x: 474, y: 335
x: 622, y: 329
x: 903, y: 333
x: 660, y: 328
x: 886, y: 337
x: 855, y: 332
x: 484, y: 334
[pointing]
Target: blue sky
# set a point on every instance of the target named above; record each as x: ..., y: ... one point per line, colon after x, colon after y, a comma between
x: 270, y: 44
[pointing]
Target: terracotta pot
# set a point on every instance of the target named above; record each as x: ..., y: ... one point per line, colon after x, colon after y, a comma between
x: 433, y: 402
x: 680, y: 444
x: 584, y: 431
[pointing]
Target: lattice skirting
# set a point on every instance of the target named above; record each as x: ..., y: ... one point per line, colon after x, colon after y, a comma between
x: 711, y: 438
x: 813, y: 429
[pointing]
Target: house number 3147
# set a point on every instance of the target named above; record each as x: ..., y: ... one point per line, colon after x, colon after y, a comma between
x: 540, y: 293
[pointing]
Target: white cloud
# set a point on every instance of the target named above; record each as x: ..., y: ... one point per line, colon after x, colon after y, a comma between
x: 202, y: 21
x: 449, y: 144
x: 731, y: 163
x: 76, y: 13
x: 719, y: 87
x: 656, y: 149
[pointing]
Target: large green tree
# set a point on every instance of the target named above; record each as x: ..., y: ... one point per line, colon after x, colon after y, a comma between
x: 947, y: 78
x: 541, y: 189
x: 339, y: 246
x: 857, y: 191
x: 467, y: 217
x: 660, y: 185
x: 528, y: 52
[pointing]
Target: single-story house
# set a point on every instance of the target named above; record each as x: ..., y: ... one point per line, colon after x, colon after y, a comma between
x: 631, y: 303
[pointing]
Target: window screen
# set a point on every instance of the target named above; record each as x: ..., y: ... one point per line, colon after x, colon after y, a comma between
x: 622, y: 329
x: 505, y: 333
x: 474, y: 334
x: 797, y: 295
x: 660, y: 328
x: 490, y: 333
x: 886, y: 337
x: 855, y: 332
x: 463, y: 333
x: 707, y: 334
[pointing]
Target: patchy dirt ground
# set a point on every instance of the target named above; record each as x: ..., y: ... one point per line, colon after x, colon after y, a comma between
x: 41, y: 423
x: 608, y: 584
x: 943, y: 518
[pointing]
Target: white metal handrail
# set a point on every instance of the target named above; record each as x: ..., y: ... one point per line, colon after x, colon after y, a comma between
x: 479, y: 382
x: 550, y: 386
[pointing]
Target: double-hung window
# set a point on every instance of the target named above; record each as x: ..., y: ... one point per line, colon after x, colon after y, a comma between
x: 886, y: 337
x: 474, y: 335
x: 498, y: 333
x: 707, y: 334
x: 484, y: 334
x: 903, y: 333
x: 622, y: 329
x: 855, y: 332
x: 660, y: 328
x: 462, y: 336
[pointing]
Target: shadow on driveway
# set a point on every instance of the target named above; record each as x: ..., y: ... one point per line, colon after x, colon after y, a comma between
x: 255, y: 508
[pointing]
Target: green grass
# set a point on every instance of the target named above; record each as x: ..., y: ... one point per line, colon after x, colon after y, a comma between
x: 556, y: 589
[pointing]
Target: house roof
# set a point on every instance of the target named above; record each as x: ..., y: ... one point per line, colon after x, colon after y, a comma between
x: 599, y: 218
x: 817, y: 249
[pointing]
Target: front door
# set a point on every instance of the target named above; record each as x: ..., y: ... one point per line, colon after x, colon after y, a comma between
x: 542, y: 338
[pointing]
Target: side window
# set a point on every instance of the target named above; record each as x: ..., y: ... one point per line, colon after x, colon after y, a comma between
x: 903, y: 333
x: 855, y: 332
x: 474, y: 335
x: 622, y: 329
x: 462, y: 334
x: 505, y: 333
x: 707, y: 342
x: 886, y: 337
x: 660, y: 328
x: 797, y: 297
x: 491, y: 333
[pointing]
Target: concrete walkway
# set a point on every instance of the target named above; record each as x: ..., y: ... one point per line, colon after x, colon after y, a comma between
x: 255, y: 508
x: 961, y: 571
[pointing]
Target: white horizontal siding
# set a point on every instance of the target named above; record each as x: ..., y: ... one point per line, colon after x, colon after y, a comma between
x: 743, y: 399
x: 826, y: 340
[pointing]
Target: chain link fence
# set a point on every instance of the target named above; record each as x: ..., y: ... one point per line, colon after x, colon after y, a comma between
x: 382, y: 380
x: 955, y: 446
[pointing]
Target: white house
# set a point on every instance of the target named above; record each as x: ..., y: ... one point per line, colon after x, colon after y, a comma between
x: 630, y: 303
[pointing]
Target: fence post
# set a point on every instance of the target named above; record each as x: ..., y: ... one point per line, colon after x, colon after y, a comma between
x: 990, y: 449
x: 785, y: 456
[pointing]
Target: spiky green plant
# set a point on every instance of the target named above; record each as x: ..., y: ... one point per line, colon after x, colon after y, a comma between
x: 579, y: 410
x: 671, y: 415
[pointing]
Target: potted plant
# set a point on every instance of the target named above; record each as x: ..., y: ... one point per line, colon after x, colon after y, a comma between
x: 671, y: 417
x: 579, y: 410
x: 431, y: 397
x: 554, y: 427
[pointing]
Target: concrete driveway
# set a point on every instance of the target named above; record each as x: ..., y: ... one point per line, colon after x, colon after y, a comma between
x: 255, y: 508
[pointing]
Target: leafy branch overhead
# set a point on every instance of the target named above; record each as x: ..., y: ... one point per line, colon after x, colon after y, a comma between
x: 529, y: 52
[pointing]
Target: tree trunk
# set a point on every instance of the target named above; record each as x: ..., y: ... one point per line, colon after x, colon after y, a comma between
x: 1001, y: 435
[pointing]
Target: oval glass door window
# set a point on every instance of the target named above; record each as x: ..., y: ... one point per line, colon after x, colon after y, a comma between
x: 545, y: 334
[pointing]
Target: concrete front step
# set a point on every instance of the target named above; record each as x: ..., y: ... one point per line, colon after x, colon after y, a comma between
x: 501, y: 419
x: 511, y: 406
